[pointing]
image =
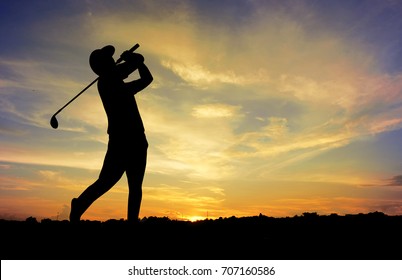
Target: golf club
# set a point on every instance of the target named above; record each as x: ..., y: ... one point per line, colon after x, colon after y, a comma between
x: 53, y: 121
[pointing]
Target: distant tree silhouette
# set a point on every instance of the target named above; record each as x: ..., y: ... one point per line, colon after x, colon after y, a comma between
x: 31, y: 220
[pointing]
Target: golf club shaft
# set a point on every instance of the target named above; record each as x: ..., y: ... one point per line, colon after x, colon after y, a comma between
x: 88, y: 86
x: 94, y: 81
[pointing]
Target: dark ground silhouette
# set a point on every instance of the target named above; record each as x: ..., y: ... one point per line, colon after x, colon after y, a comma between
x: 309, y: 236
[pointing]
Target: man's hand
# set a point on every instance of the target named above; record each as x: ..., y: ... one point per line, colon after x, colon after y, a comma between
x: 134, y: 58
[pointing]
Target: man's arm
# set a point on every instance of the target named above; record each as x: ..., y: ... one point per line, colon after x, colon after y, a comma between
x: 137, y: 61
x: 144, y: 80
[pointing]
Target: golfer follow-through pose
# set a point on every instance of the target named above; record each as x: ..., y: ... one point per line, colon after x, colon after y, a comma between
x: 127, y: 147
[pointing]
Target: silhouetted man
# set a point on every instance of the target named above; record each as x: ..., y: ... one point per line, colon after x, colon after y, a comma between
x: 127, y: 146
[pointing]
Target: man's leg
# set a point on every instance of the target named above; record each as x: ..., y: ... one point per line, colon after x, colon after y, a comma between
x: 111, y: 172
x: 135, y: 176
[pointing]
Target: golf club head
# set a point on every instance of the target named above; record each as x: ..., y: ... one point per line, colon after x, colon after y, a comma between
x: 53, y: 122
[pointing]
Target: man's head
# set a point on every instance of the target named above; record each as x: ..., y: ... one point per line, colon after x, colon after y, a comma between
x: 101, y: 60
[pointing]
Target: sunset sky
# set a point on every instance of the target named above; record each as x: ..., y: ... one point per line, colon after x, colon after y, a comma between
x: 272, y: 107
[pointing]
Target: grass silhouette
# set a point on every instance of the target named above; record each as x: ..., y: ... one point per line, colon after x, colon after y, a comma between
x: 309, y: 236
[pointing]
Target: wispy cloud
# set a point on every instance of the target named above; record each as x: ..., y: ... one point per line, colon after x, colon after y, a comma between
x: 395, y: 181
x: 212, y: 111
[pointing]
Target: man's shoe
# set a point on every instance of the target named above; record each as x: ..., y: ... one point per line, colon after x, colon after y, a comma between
x: 74, y: 213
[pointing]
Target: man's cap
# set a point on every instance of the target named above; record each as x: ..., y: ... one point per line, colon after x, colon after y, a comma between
x: 98, y: 57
